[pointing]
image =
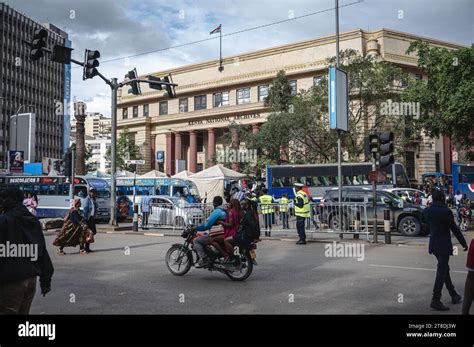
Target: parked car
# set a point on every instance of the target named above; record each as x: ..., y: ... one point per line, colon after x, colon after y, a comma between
x: 173, y: 212
x: 410, y: 192
x: 405, y: 217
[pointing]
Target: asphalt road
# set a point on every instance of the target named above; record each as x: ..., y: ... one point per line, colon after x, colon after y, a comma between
x: 391, y: 279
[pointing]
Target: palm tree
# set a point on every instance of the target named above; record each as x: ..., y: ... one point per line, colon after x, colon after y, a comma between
x: 80, y: 115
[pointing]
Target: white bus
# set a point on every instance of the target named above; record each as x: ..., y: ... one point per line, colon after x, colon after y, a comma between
x: 53, y: 193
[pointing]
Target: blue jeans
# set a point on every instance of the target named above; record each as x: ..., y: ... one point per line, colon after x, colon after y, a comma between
x: 268, y: 220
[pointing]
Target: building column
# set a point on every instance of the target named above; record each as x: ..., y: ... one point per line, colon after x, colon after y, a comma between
x: 447, y: 154
x: 153, y: 151
x: 192, y: 151
x: 178, y: 146
x: 235, y: 140
x: 255, y: 128
x: 211, y: 146
x: 169, y: 154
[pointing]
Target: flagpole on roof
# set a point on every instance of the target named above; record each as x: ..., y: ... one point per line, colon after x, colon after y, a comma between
x: 219, y: 30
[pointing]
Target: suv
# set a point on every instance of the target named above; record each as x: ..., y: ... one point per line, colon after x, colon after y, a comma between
x: 405, y: 217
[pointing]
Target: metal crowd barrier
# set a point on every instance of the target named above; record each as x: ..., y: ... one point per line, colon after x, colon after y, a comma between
x: 171, y: 216
x: 323, y: 218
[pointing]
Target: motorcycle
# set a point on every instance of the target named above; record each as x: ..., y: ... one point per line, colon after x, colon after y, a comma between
x: 465, y: 219
x: 181, y: 257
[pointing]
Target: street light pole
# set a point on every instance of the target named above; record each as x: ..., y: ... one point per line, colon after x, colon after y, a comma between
x: 113, y: 149
x: 339, y: 161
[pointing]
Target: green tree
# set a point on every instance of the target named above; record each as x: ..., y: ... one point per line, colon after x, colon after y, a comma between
x: 126, y: 150
x: 446, y: 97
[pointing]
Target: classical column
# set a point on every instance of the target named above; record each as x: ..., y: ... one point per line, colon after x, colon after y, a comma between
x: 235, y: 144
x: 211, y: 146
x: 169, y: 154
x: 177, y: 146
x: 153, y: 151
x: 255, y: 128
x: 192, y: 151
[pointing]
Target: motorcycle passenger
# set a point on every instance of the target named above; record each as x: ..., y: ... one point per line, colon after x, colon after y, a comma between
x: 466, y: 203
x: 249, y: 228
x: 204, y: 240
x: 231, y: 223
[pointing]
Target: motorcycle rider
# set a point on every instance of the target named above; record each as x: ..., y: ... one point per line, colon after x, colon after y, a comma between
x: 205, y: 239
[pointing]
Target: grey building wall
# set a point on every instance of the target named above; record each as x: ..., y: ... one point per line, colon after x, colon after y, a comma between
x: 25, y: 82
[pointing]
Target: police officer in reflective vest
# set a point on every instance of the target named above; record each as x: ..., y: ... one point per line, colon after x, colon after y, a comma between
x: 267, y: 210
x: 284, y: 210
x: 302, y: 211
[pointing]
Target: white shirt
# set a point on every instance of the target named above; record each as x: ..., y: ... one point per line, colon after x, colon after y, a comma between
x: 458, y: 198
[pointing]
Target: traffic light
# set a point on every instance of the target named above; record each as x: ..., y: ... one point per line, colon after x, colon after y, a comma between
x: 386, y: 149
x: 135, y: 90
x: 38, y: 43
x: 90, y: 64
x: 155, y: 83
x: 68, y: 164
x: 169, y: 89
x: 158, y: 83
x: 61, y: 54
x: 373, y: 144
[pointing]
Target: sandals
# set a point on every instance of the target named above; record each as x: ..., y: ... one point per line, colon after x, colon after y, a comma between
x: 61, y: 252
x: 83, y: 251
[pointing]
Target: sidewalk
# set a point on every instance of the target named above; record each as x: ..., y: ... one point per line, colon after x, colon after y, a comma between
x: 289, y: 235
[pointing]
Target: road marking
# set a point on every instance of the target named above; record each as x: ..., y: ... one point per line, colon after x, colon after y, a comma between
x: 413, y: 268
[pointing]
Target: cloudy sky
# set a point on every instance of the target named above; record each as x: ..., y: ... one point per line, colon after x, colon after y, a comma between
x: 120, y: 29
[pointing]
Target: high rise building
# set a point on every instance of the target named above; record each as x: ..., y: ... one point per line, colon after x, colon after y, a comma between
x: 43, y: 84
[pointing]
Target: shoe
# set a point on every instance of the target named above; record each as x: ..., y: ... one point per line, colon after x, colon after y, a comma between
x: 456, y: 299
x: 202, y: 263
x: 89, y: 250
x: 301, y: 242
x: 82, y: 252
x: 438, y: 306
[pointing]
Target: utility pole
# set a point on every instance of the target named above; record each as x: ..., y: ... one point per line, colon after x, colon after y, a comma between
x: 339, y: 161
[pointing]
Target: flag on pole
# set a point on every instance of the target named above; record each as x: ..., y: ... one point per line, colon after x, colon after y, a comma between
x: 216, y: 30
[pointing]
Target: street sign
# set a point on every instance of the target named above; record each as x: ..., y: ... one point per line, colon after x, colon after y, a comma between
x: 377, y: 176
x: 160, y: 156
x: 338, y: 99
x: 136, y: 162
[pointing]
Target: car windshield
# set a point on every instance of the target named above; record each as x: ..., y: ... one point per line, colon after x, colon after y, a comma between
x: 394, y: 197
x: 102, y: 193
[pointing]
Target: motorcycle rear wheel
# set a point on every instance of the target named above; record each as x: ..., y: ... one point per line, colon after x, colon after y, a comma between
x: 245, y: 270
x: 178, y: 260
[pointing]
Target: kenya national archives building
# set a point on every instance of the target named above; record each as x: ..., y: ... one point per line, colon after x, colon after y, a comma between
x: 188, y: 127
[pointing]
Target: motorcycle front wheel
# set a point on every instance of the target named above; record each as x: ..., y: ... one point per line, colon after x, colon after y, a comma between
x: 178, y: 260
x: 464, y: 225
x: 242, y: 272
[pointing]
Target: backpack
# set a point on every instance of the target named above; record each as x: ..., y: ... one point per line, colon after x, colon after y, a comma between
x: 248, y: 229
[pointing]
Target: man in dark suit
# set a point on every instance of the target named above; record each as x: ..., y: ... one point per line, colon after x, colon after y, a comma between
x: 440, y: 222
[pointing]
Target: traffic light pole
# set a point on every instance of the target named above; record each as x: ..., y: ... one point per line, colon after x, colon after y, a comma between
x: 374, y: 194
x: 339, y: 161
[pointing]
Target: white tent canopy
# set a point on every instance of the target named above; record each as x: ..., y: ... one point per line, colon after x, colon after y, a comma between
x: 153, y: 173
x: 183, y: 174
x: 124, y: 173
x: 218, y: 172
x: 211, y: 180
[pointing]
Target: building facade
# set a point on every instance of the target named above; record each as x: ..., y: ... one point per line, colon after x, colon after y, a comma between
x: 23, y: 82
x: 187, y: 129
x: 95, y: 125
x: 98, y: 146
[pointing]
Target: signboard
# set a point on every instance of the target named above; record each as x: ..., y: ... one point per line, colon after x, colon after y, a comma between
x: 338, y: 99
x: 16, y: 161
x: 136, y: 162
x: 377, y: 176
x: 67, y: 101
x: 36, y: 179
x: 23, y: 125
x: 160, y: 156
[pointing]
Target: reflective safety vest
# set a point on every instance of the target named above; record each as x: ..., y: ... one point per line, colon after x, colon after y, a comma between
x: 302, y: 211
x: 266, y: 204
x: 283, y: 204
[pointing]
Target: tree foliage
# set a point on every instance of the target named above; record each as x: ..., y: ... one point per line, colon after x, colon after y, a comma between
x: 126, y: 150
x: 446, y: 97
